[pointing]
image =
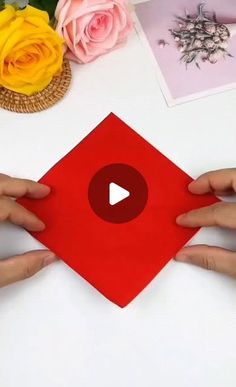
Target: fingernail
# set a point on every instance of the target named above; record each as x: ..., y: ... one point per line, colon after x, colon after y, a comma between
x: 181, y: 257
x: 49, y: 188
x: 41, y: 226
x: 44, y: 186
x: 179, y: 218
x: 49, y: 258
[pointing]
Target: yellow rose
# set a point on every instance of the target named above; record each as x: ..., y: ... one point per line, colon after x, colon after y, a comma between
x: 31, y: 52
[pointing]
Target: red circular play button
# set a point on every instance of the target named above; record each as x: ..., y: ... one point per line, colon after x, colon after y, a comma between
x: 118, y: 193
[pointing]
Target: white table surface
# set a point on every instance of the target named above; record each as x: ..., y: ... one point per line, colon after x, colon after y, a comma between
x: 55, y: 329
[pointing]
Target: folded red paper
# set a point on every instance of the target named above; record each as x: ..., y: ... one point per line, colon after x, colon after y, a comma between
x: 120, y: 243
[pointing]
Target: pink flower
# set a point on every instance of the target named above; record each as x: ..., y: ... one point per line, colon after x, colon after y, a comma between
x: 91, y: 28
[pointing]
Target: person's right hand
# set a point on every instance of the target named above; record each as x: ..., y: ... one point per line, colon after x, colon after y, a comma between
x: 221, y: 183
x: 22, y: 266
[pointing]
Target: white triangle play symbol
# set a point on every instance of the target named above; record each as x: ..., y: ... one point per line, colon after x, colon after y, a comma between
x: 117, y: 194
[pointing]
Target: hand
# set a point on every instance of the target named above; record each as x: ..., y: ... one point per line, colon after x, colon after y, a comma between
x: 22, y: 266
x: 220, y: 183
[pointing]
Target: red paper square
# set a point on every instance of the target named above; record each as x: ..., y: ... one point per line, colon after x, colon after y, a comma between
x: 118, y: 258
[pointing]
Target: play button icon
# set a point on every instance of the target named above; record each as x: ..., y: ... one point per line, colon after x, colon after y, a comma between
x: 118, y: 193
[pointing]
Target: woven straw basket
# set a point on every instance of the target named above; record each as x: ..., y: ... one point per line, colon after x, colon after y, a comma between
x: 15, y: 102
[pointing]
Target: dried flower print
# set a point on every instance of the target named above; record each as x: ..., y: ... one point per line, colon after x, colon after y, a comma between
x: 201, y: 38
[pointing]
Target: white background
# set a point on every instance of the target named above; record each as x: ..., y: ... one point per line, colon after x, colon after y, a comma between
x: 55, y: 329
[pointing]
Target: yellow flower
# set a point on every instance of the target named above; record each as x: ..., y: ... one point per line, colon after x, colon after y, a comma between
x: 31, y: 52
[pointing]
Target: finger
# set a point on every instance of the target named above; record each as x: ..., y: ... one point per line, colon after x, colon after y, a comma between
x: 224, y: 193
x: 21, y: 187
x: 220, y: 182
x: 15, y: 213
x: 24, y: 266
x: 210, y: 258
x: 220, y: 214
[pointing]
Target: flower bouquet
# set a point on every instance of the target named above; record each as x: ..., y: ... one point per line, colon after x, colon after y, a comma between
x: 38, y: 38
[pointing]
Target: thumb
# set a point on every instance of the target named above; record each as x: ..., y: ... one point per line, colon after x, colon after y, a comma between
x: 24, y: 266
x: 210, y: 258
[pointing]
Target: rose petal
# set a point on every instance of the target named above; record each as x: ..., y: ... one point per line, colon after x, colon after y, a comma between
x: 99, y: 27
x: 93, y: 27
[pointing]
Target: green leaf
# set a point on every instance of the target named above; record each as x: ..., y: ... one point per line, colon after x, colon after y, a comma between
x: 2, y: 5
x: 36, y: 4
x: 46, y: 5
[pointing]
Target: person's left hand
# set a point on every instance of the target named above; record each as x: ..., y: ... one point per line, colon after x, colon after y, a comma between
x: 22, y: 266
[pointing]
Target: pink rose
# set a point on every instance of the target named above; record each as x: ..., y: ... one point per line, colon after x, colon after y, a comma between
x: 91, y: 28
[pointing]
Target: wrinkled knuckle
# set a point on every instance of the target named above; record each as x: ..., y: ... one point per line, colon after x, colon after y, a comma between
x: 209, y: 263
x: 28, y: 272
x: 215, y: 212
x: 31, y: 269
